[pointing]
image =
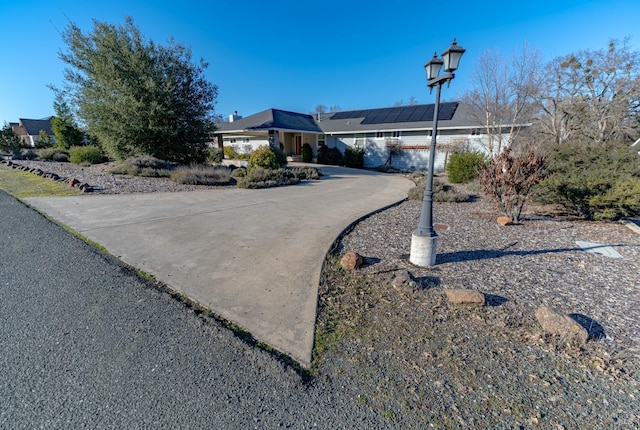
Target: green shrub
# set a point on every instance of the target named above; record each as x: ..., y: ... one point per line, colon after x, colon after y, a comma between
x: 202, y: 175
x: 230, y: 153
x: 594, y: 181
x: 10, y: 141
x: 281, y: 157
x: 331, y: 156
x: 259, y: 177
x: 464, y: 167
x: 264, y: 178
x: 307, y: 153
x: 60, y: 157
x: 215, y: 155
x: 86, y: 155
x: 264, y: 157
x: 151, y: 163
x: 354, y: 157
x: 146, y: 166
x: 29, y: 154
x: 441, y: 192
x: 240, y: 172
x: 305, y: 173
x: 54, y: 154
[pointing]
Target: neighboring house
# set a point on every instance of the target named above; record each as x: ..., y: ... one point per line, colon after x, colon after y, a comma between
x: 396, y: 136
x: 29, y: 129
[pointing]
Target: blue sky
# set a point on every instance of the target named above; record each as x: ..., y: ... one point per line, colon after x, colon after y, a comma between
x: 294, y: 55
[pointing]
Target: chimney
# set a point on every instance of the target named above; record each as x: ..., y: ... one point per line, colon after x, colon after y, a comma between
x: 234, y: 117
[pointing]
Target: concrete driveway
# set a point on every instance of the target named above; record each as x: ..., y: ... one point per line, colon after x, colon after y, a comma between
x: 252, y: 256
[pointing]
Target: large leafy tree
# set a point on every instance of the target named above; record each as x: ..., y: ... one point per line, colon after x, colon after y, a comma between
x: 136, y: 97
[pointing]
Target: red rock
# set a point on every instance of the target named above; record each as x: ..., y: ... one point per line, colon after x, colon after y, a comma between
x: 504, y: 220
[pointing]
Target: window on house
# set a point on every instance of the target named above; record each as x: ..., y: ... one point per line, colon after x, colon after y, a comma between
x: 232, y: 140
x: 246, y: 140
x: 395, y: 134
x: 379, y: 135
x: 359, y: 141
x: 321, y: 140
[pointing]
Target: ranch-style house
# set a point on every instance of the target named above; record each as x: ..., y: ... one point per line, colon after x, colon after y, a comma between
x: 399, y: 137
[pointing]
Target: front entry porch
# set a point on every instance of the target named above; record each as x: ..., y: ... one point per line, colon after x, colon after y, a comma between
x: 292, y: 142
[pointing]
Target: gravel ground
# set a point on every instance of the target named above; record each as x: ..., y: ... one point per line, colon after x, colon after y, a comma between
x: 103, y: 182
x: 423, y: 362
x: 420, y: 360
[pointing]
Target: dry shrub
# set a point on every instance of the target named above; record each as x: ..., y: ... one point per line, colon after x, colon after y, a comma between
x: 202, y: 175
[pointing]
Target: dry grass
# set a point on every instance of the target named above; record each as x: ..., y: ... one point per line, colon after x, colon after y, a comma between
x: 23, y: 185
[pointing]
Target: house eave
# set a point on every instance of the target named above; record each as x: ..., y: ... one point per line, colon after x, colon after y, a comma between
x: 266, y: 129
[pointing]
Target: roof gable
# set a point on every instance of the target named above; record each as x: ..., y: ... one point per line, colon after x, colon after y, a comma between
x: 273, y: 119
x: 33, y: 126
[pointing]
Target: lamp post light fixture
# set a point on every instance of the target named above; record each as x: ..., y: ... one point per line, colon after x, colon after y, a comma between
x: 425, y: 238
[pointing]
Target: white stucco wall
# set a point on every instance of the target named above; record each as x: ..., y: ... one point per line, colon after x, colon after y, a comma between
x: 240, y: 144
x: 377, y: 150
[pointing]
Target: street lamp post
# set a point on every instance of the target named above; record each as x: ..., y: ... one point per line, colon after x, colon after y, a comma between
x: 425, y: 238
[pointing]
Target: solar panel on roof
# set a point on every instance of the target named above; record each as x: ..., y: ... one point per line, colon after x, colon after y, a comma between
x: 340, y: 115
x: 406, y: 113
x: 393, y: 116
x: 447, y: 110
x: 417, y: 113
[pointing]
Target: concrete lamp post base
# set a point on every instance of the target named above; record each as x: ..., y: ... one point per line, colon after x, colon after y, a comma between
x: 423, y: 250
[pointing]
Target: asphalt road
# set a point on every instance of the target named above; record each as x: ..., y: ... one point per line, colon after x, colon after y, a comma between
x: 86, y: 343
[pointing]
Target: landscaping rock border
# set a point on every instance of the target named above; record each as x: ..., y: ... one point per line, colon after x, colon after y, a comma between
x: 72, y: 182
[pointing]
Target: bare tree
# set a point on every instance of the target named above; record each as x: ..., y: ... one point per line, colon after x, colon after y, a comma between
x: 504, y: 94
x: 593, y: 94
x: 320, y: 109
x: 412, y: 102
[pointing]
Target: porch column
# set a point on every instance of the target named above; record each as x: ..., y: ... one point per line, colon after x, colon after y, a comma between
x: 274, y: 138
